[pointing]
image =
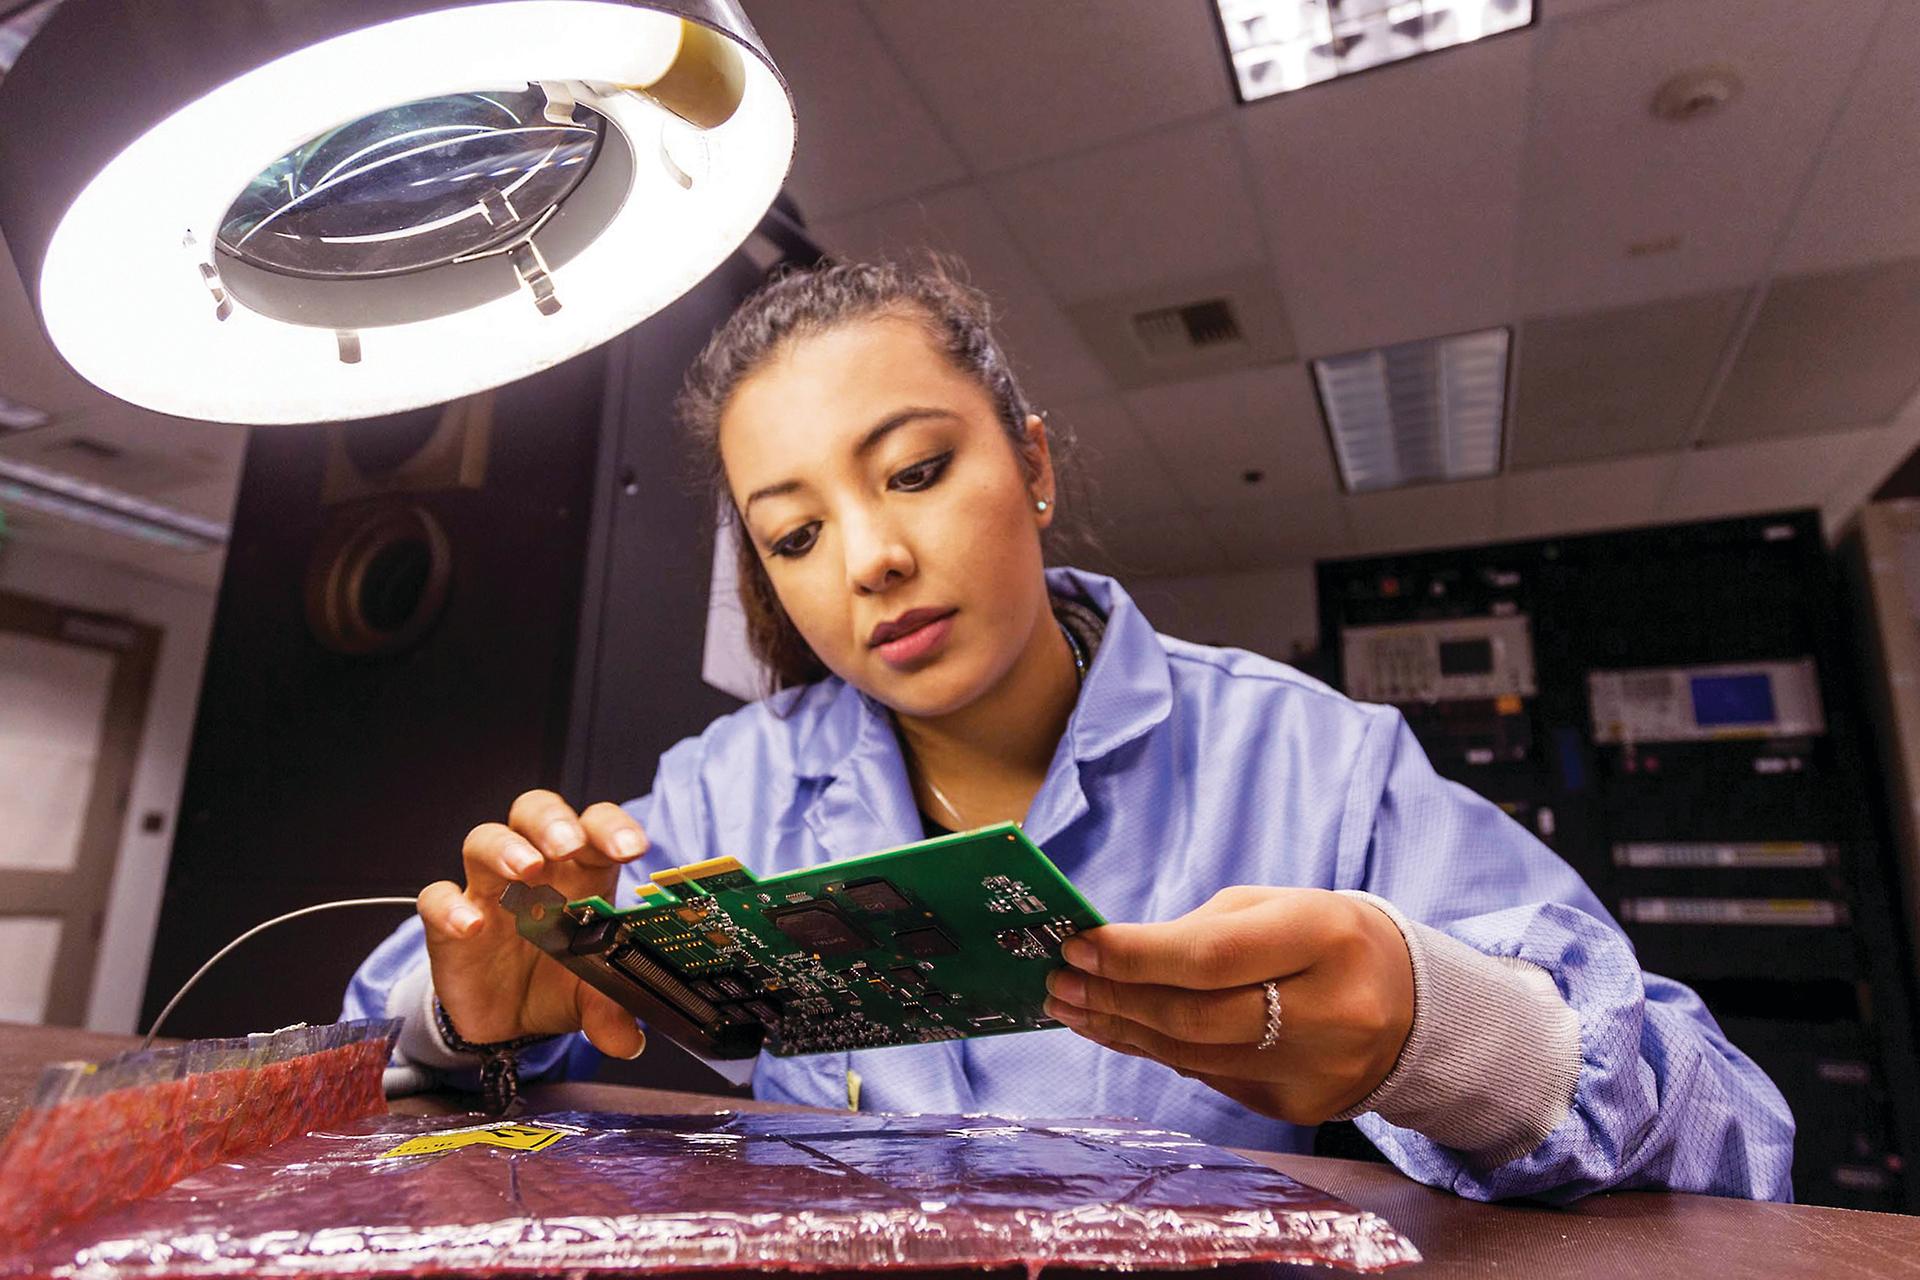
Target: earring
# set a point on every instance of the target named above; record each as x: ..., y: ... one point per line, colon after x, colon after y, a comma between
x: 1040, y: 504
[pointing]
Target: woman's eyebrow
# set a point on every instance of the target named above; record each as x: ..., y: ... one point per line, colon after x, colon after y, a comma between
x: 893, y: 422
x: 875, y: 434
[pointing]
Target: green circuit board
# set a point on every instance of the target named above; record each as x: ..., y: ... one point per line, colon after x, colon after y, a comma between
x: 938, y: 940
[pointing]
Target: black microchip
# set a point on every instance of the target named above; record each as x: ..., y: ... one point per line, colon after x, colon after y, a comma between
x: 907, y: 975
x: 594, y: 938
x: 926, y: 941
x: 876, y: 895
x: 732, y: 986
x: 820, y: 927
x: 763, y: 1011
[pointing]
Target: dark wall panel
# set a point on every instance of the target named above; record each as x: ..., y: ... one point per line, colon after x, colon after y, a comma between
x: 317, y: 774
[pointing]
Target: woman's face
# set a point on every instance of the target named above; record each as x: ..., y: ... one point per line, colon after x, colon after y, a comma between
x: 891, y: 511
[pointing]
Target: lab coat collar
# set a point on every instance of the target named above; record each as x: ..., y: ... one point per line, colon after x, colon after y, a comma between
x: 867, y: 802
x: 1129, y: 688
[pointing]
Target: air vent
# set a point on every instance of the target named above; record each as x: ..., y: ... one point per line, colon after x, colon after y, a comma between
x: 1173, y: 332
x: 1190, y: 328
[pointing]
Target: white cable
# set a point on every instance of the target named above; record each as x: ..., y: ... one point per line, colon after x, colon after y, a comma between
x: 265, y: 924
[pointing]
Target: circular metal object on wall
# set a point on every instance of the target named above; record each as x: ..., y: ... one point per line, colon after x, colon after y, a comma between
x: 379, y: 579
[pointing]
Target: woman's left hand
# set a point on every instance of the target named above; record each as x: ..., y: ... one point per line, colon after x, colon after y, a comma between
x: 1189, y: 993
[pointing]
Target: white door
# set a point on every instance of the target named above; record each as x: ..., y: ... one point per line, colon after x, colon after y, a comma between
x: 73, y: 693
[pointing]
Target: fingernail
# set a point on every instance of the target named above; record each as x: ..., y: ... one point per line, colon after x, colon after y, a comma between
x: 1065, y: 1013
x: 1081, y: 954
x: 1069, y: 986
x: 628, y: 843
x: 522, y: 860
x: 465, y: 919
x: 563, y: 838
x: 637, y: 1052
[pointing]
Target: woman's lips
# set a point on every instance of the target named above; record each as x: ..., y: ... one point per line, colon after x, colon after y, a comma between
x: 916, y: 644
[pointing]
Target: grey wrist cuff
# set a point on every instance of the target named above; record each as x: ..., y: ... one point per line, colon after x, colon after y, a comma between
x: 1493, y: 1059
x: 420, y: 1043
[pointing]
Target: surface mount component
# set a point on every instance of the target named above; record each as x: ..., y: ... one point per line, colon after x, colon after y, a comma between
x: 909, y: 946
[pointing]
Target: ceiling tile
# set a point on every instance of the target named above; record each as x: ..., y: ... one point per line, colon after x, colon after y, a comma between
x: 1147, y: 337
x: 1110, y: 468
x: 1552, y: 501
x: 1212, y: 431
x: 1566, y: 10
x: 1424, y: 517
x: 187, y: 568
x: 1153, y: 546
x: 1772, y: 475
x: 1054, y: 365
x: 1704, y: 201
x: 1389, y: 200
x: 1274, y: 531
x: 864, y: 138
x: 1840, y: 349
x: 1164, y: 207
x: 1621, y: 381
x: 1871, y: 467
x: 134, y: 451
x: 1861, y: 205
x: 1014, y: 81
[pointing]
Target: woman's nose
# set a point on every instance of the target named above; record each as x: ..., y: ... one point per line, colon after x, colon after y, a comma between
x: 877, y: 555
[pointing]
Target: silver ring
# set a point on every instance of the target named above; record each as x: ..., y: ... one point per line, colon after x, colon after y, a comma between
x: 1272, y: 1037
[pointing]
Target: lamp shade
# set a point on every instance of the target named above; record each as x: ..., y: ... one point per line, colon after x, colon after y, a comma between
x: 265, y: 211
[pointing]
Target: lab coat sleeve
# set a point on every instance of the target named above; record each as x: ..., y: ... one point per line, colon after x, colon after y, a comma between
x: 395, y: 982
x: 1661, y: 1099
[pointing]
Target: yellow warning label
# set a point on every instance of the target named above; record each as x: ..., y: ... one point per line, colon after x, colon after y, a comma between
x: 514, y: 1137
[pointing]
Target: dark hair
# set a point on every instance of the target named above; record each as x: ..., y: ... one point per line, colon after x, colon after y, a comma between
x: 801, y: 302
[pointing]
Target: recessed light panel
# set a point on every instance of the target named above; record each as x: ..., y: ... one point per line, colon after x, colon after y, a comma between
x: 1418, y: 411
x: 71, y: 498
x: 18, y: 416
x: 1279, y: 45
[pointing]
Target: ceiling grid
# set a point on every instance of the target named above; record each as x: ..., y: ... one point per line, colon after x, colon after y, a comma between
x: 1662, y: 281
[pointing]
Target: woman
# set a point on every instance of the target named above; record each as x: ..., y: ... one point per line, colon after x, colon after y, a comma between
x: 1332, y: 930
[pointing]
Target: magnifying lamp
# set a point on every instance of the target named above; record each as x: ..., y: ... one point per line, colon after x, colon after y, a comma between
x: 264, y: 211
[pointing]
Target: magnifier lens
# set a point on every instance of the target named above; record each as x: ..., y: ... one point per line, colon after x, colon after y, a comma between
x: 411, y: 187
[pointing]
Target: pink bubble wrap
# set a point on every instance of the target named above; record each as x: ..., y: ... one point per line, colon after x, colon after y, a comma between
x: 103, y: 1134
x: 588, y: 1194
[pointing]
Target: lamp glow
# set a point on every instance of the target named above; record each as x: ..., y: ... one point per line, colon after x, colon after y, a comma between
x: 128, y: 287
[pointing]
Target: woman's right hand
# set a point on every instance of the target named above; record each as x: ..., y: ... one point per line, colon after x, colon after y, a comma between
x: 494, y: 984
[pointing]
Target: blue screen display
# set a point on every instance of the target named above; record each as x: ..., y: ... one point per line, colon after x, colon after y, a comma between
x: 1728, y: 700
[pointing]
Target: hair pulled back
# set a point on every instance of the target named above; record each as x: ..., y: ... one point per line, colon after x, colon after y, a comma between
x: 803, y: 302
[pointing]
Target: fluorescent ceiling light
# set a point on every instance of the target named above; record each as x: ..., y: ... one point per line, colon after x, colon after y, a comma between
x: 71, y: 498
x: 1417, y: 411
x: 1280, y: 45
x: 17, y: 416
x: 19, y: 27
x: 659, y: 132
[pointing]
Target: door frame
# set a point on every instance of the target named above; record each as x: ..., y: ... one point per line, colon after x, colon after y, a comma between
x: 134, y: 648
